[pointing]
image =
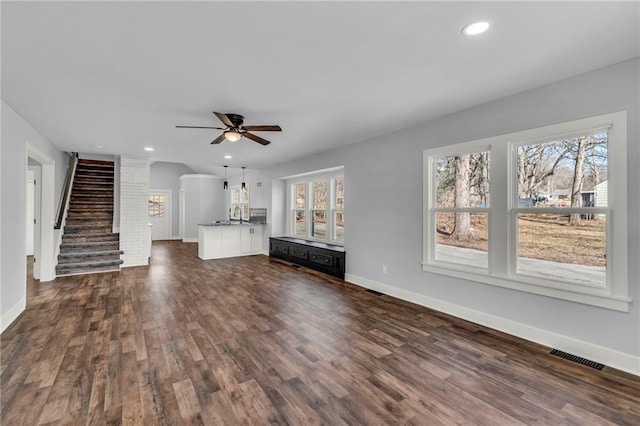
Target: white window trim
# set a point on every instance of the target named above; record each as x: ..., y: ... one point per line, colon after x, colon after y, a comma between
x: 501, y: 271
x: 242, y: 203
x: 307, y: 179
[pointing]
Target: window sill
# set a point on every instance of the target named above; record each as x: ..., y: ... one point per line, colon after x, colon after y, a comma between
x: 317, y: 240
x: 588, y: 295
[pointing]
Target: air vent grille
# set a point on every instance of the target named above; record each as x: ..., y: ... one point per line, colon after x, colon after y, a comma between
x: 577, y: 359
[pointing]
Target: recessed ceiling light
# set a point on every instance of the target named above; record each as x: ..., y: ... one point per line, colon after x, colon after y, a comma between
x: 475, y: 28
x: 148, y: 148
x: 228, y: 157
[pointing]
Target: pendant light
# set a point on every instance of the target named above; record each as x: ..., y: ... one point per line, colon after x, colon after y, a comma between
x: 244, y: 186
x: 225, y: 185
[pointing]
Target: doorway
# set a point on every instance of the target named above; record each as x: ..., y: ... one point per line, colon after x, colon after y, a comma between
x: 30, y: 221
x: 181, y: 214
x: 44, y: 201
x: 160, y: 214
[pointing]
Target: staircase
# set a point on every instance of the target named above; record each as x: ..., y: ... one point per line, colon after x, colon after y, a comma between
x: 88, y: 243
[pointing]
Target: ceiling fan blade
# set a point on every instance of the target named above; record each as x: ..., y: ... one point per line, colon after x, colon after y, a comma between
x: 199, y: 127
x: 256, y: 138
x: 273, y: 128
x: 223, y: 117
x: 218, y: 139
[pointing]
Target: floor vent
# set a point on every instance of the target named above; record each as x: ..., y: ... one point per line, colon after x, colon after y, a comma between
x: 577, y: 359
x: 377, y: 293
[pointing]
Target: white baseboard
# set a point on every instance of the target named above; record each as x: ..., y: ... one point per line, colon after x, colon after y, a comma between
x: 606, y: 356
x: 10, y: 316
x: 189, y: 240
x: 176, y: 237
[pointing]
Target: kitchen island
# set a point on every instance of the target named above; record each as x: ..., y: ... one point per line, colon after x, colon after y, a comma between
x: 222, y: 239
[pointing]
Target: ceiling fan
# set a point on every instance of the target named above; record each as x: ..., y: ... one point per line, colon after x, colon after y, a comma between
x: 236, y: 129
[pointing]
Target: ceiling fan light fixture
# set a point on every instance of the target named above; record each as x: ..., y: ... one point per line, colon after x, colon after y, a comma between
x: 232, y: 135
x: 235, y: 129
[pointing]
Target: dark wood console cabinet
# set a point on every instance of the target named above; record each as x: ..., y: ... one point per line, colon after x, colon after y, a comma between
x: 322, y: 257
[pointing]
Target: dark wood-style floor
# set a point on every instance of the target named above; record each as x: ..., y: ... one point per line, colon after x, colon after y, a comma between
x: 255, y: 341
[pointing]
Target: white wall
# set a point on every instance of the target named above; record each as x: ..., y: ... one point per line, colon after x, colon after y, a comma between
x: 204, y: 202
x: 16, y: 133
x: 383, y: 187
x: 167, y: 176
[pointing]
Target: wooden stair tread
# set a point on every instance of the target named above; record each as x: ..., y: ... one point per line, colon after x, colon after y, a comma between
x: 91, y: 161
x: 75, y: 226
x: 93, y: 238
x: 92, y: 263
x: 91, y: 253
x: 93, y: 179
x: 74, y: 248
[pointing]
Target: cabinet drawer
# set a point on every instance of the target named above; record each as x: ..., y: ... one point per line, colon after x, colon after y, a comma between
x: 279, y: 248
x: 320, y: 258
x: 299, y: 253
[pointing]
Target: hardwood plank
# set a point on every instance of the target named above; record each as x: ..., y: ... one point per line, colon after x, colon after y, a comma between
x: 252, y: 341
x: 187, y: 398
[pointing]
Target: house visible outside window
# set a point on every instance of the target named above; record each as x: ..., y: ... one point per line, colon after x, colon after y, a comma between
x: 316, y: 205
x: 239, y: 203
x: 156, y: 205
x: 534, y: 211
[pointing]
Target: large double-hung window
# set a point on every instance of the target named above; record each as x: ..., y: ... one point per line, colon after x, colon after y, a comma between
x: 316, y: 207
x: 542, y: 211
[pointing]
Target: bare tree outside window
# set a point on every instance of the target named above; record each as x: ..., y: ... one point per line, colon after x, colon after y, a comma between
x: 462, y: 196
x: 542, y: 210
x: 562, y: 174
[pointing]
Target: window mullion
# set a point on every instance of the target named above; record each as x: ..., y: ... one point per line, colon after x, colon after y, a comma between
x: 500, y: 229
x: 329, y: 208
x: 309, y: 208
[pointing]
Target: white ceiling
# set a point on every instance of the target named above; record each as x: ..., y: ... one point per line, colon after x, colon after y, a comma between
x: 121, y: 75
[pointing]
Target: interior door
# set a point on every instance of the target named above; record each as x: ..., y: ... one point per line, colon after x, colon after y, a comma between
x: 160, y: 214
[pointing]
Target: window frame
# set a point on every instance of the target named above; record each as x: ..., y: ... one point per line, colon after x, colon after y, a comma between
x: 334, y: 210
x: 243, y: 204
x: 329, y: 210
x: 454, y: 151
x: 502, y: 244
x: 158, y: 207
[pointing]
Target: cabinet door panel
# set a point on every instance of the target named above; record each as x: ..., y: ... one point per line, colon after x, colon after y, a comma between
x: 256, y: 239
x: 245, y: 239
x: 230, y: 240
